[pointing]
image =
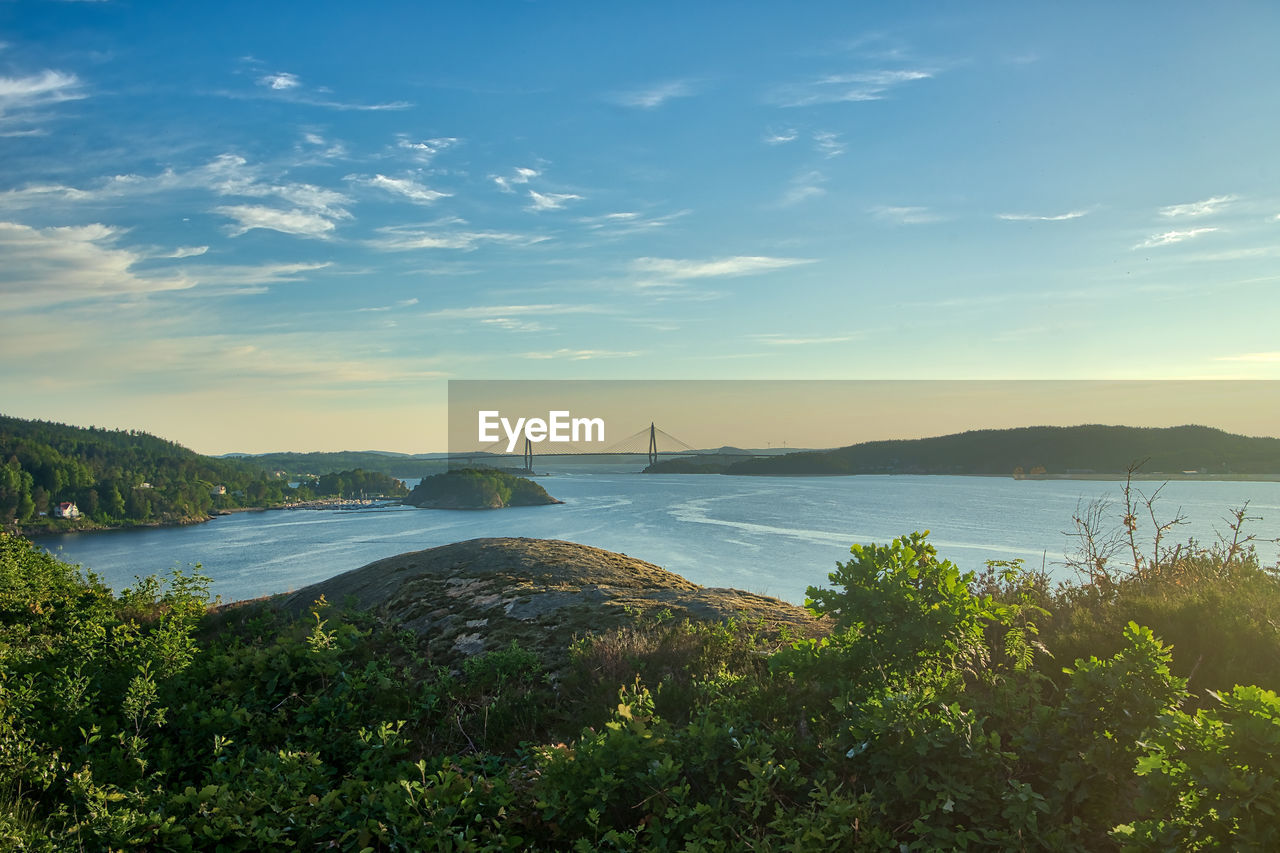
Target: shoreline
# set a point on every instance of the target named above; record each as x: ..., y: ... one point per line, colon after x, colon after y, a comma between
x: 39, y: 531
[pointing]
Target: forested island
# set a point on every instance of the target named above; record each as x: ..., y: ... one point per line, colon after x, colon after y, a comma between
x: 1025, y: 452
x: 477, y: 488
x: 56, y: 477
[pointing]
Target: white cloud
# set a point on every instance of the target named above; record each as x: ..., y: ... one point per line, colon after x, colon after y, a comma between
x: 252, y: 276
x: 280, y: 81
x: 672, y: 268
x: 521, y: 175
x: 484, y: 312
x: 781, y: 137
x: 399, y: 238
x: 828, y: 143
x: 1170, y: 237
x: 802, y: 340
x: 426, y: 150
x: 802, y: 187
x: 906, y: 215
x: 550, y: 201
x: 406, y: 187
x: 54, y: 265
x: 580, y: 354
x: 1032, y: 217
x: 187, y: 252
x: 623, y: 223
x: 298, y: 222
x: 840, y: 88
x: 511, y: 324
x: 1199, y: 208
x: 654, y: 96
x: 34, y: 90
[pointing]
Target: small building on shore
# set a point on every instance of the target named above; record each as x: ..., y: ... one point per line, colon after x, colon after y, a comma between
x: 66, y: 509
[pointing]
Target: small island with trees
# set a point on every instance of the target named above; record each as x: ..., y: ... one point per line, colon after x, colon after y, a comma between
x: 477, y: 488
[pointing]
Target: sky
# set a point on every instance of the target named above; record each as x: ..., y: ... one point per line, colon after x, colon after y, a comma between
x: 249, y: 227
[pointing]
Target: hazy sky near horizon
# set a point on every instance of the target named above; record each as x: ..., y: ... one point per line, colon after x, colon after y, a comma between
x: 251, y: 227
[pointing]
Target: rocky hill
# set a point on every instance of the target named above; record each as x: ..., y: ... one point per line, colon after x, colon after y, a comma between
x: 479, y: 595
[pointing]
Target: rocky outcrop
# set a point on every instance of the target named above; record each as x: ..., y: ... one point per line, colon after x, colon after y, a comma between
x: 479, y: 595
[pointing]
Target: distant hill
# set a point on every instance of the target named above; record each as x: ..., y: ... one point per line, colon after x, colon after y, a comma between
x: 392, y: 464
x: 1039, y: 451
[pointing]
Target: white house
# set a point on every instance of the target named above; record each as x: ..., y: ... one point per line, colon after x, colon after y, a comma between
x: 66, y: 509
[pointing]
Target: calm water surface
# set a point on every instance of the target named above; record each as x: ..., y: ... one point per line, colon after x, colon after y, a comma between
x: 768, y: 535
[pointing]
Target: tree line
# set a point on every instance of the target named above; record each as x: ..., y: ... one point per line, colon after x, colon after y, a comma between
x: 130, y: 477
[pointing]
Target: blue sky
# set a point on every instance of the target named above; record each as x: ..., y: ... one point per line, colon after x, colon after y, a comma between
x: 258, y: 227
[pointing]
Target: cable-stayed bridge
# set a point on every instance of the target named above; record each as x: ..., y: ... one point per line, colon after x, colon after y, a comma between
x: 648, y: 441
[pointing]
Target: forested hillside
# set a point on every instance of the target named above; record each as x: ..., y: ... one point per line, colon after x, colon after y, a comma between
x: 118, y: 476
x: 1033, y: 451
x: 392, y: 464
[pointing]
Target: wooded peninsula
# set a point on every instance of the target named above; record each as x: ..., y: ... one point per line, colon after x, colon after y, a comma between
x: 1091, y: 451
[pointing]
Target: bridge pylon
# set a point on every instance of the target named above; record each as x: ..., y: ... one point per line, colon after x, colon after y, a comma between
x: 528, y: 455
x: 653, y: 444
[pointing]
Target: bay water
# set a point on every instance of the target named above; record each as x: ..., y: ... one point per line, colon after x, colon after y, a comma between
x: 768, y: 535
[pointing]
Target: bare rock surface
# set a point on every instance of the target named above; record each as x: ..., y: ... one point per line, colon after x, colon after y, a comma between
x: 479, y: 595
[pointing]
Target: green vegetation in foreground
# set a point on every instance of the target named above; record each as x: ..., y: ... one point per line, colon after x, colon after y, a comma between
x: 944, y: 711
x: 477, y: 488
x: 1023, y: 452
x: 122, y: 478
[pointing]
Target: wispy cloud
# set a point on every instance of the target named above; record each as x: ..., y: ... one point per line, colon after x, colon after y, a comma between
x: 426, y: 150
x: 55, y: 265
x: 581, y: 354
x: 406, y: 187
x: 297, y: 222
x: 280, y: 81
x: 803, y: 187
x: 654, y: 96
x: 1170, y: 237
x: 511, y: 324
x: 623, y: 223
x: 520, y: 175
x: 906, y: 215
x: 550, y: 201
x: 801, y: 340
x: 828, y: 143
x: 186, y: 252
x: 493, y: 312
x: 1199, y: 208
x: 847, y: 88
x: 399, y: 304
x: 251, y: 277
x: 400, y: 238
x: 35, y: 90
x: 310, y: 210
x: 676, y: 269
x: 328, y: 150
x: 781, y: 137
x: 288, y: 87
x: 1035, y: 217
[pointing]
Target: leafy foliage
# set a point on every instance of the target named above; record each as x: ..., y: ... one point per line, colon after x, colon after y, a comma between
x: 933, y: 717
